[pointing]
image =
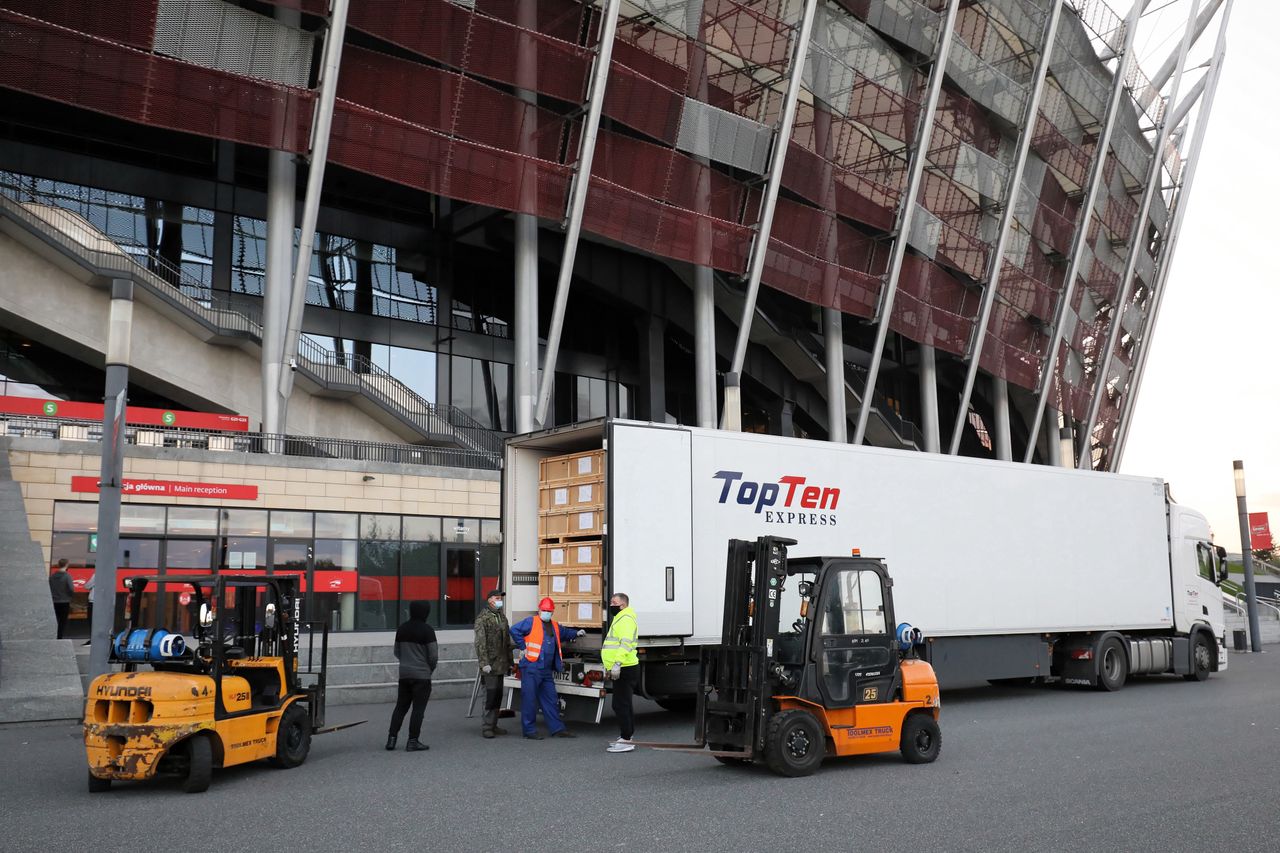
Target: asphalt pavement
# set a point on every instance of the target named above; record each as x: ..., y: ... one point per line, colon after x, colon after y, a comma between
x: 1163, y: 765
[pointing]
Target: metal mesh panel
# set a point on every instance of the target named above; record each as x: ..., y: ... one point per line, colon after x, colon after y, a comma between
x: 131, y: 23
x: 984, y: 83
x: 218, y: 35
x: 932, y: 307
x: 724, y: 137
x: 980, y: 172
x: 1080, y: 83
x: 906, y: 21
x: 1024, y: 17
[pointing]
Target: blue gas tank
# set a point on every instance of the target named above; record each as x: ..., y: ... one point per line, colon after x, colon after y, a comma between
x: 143, y: 645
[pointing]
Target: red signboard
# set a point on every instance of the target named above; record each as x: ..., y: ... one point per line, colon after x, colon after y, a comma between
x: 133, y: 414
x: 1260, y: 532
x: 172, y: 489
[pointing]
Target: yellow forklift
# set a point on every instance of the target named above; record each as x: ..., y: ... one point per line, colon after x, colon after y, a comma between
x: 234, y: 697
x: 811, y: 665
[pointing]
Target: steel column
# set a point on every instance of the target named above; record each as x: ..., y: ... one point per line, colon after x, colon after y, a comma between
x: 1154, y: 182
x: 1079, y: 241
x: 777, y: 158
x: 1053, y: 440
x: 282, y: 194
x: 1180, y: 208
x: 1000, y: 399
x: 1173, y: 62
x: 578, y: 200
x: 995, y: 264
x: 111, y: 473
x: 704, y: 346
x: 323, y: 120
x: 906, y: 213
x: 832, y: 318
x: 525, y: 298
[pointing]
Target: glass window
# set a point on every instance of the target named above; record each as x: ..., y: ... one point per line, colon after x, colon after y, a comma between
x: 77, y: 548
x: 296, y: 524
x: 75, y: 516
x: 1204, y: 555
x: 491, y: 531
x: 462, y: 530
x: 335, y: 555
x: 854, y: 605
x: 417, y: 369
x: 139, y: 554
x: 243, y: 552
x: 189, y: 554
x: 193, y: 521
x: 337, y: 525
x: 419, y: 528
x: 380, y: 527
x: 289, y: 555
x: 420, y: 576
x: 379, y: 584
x: 136, y: 518
x: 244, y: 522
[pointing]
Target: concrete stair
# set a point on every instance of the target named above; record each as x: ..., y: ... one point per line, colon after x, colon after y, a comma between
x: 37, y: 672
x: 367, y: 674
x: 1268, y: 628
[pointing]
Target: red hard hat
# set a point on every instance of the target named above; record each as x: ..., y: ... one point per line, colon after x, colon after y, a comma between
x: 546, y: 604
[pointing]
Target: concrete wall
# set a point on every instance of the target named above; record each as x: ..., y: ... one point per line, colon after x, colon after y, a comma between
x: 50, y: 299
x: 43, y: 468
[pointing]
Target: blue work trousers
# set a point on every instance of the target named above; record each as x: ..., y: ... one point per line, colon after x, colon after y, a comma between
x: 538, y: 690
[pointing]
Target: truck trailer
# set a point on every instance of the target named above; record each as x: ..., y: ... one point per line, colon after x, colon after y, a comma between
x: 1013, y: 572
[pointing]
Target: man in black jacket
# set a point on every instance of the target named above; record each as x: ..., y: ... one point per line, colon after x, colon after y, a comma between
x: 418, y: 653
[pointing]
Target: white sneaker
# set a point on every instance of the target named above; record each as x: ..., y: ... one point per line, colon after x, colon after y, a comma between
x: 621, y: 745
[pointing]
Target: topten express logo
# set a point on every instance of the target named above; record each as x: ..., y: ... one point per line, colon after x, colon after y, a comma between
x: 791, y: 499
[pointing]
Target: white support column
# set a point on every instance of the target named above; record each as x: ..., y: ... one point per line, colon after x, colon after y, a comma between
x: 995, y: 263
x: 1079, y: 241
x: 1053, y: 442
x: 311, y: 203
x: 1000, y: 399
x: 929, y: 399
x: 1136, y: 247
x: 282, y: 194
x: 525, y: 297
x: 1171, y: 243
x: 832, y: 318
x: 769, y: 201
x: 578, y: 200
x: 906, y: 213
x: 704, y: 346
x: 833, y: 343
x: 1173, y: 62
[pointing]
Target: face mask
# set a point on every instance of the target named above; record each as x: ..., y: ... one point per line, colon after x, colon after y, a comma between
x: 496, y: 604
x: 545, y: 615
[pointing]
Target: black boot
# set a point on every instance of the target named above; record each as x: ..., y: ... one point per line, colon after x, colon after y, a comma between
x: 415, y: 745
x: 488, y: 723
x: 391, y: 742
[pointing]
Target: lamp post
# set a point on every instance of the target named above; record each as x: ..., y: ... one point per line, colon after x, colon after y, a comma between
x: 1246, y: 554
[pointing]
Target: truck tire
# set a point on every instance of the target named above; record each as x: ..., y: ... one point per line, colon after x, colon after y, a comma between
x: 795, y: 744
x: 97, y: 786
x: 1113, y: 666
x: 293, y: 738
x: 1201, y: 659
x: 921, y: 739
x: 685, y: 703
x: 199, y: 766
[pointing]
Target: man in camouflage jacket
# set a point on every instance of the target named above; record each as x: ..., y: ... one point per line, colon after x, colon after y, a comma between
x: 493, y: 656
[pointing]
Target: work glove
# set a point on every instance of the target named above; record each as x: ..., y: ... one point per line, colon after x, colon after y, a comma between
x: 616, y: 672
x: 516, y: 654
x: 486, y: 669
x: 581, y: 633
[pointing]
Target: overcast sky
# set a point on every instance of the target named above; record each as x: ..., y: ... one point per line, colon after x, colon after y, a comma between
x: 1211, y: 392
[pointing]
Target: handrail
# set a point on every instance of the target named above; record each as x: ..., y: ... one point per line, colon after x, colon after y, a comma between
x: 1240, y: 599
x: 229, y: 315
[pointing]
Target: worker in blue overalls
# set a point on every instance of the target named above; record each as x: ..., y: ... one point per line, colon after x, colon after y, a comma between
x: 539, y: 638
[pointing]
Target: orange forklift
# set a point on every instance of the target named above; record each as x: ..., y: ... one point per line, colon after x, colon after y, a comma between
x: 233, y: 697
x: 811, y: 665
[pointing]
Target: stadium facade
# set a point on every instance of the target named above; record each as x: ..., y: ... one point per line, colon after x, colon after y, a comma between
x: 944, y: 225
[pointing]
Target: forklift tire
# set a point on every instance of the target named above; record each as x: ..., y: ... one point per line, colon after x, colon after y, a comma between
x: 97, y: 786
x: 1113, y: 666
x: 795, y: 744
x: 200, y: 765
x: 293, y: 738
x: 921, y: 739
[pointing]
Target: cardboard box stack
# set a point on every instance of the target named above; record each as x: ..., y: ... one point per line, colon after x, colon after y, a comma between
x: 571, y: 505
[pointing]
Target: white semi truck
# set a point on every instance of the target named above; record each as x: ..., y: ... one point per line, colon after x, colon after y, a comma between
x: 1013, y: 572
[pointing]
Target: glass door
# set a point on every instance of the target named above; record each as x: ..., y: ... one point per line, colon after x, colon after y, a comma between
x: 459, y: 585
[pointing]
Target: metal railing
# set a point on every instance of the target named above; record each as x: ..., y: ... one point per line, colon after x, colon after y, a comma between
x: 308, y: 446
x: 231, y: 315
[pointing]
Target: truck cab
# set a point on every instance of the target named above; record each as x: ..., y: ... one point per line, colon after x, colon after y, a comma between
x: 1197, y: 568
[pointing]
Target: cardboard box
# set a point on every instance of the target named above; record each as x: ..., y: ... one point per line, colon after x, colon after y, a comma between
x: 587, y: 554
x: 570, y: 585
x: 579, y: 614
x: 554, y: 525
x: 566, y: 495
x: 573, y: 467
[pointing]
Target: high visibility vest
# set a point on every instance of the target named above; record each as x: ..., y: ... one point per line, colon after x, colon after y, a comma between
x: 533, y: 642
x: 620, y: 643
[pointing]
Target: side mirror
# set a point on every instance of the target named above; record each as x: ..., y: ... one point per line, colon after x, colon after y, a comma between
x: 269, y: 621
x: 206, y: 615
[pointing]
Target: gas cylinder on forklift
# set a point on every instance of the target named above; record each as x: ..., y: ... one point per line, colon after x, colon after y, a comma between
x: 811, y: 665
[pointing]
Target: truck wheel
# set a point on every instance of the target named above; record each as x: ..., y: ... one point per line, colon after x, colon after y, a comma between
x: 293, y: 738
x: 1112, y: 666
x: 795, y: 744
x: 921, y: 739
x: 678, y: 704
x: 1201, y: 662
x: 200, y: 765
x: 97, y: 786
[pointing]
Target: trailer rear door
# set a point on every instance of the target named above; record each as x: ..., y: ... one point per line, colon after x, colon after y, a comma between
x: 650, y: 530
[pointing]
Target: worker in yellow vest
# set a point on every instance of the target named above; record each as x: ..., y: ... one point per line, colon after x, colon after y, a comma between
x: 623, y: 665
x: 539, y: 638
